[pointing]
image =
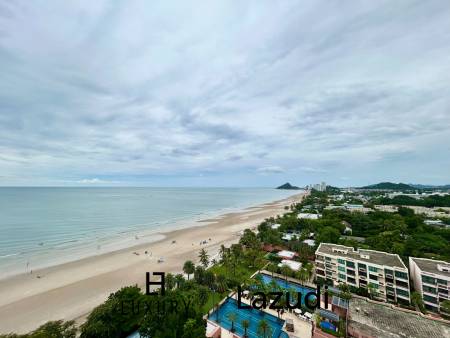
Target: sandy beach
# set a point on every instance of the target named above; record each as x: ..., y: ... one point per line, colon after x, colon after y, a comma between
x: 69, y: 291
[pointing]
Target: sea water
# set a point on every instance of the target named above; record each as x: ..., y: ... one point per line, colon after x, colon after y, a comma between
x: 41, y: 227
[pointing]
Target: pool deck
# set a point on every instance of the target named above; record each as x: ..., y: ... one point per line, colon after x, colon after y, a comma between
x: 302, y: 328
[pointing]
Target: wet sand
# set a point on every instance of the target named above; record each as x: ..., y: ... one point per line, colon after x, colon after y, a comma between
x: 70, y: 291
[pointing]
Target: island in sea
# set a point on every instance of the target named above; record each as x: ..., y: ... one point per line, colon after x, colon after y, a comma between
x: 288, y: 186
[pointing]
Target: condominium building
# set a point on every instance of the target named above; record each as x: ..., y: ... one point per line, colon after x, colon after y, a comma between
x: 384, y: 274
x: 431, y: 278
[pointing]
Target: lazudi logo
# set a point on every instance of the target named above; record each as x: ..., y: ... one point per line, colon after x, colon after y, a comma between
x: 311, y: 300
x: 260, y: 300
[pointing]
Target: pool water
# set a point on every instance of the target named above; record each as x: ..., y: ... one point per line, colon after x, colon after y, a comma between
x: 286, y: 285
x: 252, y: 315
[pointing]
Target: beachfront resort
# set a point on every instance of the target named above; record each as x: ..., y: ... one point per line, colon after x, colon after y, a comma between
x: 266, y: 284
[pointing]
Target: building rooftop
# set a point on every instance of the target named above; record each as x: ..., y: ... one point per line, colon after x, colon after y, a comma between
x: 369, y: 256
x: 286, y: 254
x: 384, y: 321
x: 432, y: 266
x: 293, y: 265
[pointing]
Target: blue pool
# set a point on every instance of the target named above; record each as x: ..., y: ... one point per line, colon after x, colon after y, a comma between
x: 252, y: 315
x: 287, y: 285
x: 327, y: 325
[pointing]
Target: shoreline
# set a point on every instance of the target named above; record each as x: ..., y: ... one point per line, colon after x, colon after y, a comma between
x: 71, y: 290
x: 54, y: 256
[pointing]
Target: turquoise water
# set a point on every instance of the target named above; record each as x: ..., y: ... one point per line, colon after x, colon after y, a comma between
x: 252, y: 315
x: 288, y: 286
x: 46, y: 226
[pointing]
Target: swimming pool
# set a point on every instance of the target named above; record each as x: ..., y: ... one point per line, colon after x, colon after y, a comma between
x: 286, y: 285
x: 252, y: 315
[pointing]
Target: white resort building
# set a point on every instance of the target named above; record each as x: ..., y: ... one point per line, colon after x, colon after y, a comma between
x: 384, y: 274
x: 431, y: 278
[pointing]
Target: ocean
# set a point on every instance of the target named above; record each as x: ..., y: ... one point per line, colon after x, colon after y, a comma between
x: 41, y: 227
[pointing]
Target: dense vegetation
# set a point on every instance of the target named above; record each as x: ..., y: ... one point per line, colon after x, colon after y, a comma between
x: 390, y: 186
x: 429, y: 201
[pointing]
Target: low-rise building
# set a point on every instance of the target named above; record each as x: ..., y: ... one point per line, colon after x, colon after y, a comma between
x: 370, y: 319
x: 293, y: 265
x: 285, y: 254
x: 431, y: 278
x: 305, y: 215
x: 383, y: 274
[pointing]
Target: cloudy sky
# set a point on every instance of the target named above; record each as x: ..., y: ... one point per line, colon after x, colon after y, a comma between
x: 224, y: 93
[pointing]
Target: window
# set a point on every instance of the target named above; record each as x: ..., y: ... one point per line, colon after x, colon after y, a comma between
x: 402, y: 292
x: 429, y: 289
x: 389, y: 272
x: 341, y: 276
x: 341, y: 261
x: 341, y: 268
x: 373, y: 277
x: 328, y: 258
x: 430, y: 299
x: 441, y: 281
x: 362, y: 266
x: 373, y: 269
x: 350, y: 264
x: 429, y: 280
x: 400, y: 274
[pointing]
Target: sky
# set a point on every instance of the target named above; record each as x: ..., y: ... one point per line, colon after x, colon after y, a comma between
x: 224, y: 93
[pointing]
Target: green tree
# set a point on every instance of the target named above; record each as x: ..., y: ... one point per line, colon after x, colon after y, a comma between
x: 221, y: 283
x: 179, y: 280
x: 55, y: 329
x: 245, y: 325
x: 170, y: 281
x: 417, y: 301
x: 445, y: 309
x: 264, y: 328
x: 232, y: 317
x: 191, y: 329
x: 202, y: 294
x: 188, y: 268
x: 204, y: 258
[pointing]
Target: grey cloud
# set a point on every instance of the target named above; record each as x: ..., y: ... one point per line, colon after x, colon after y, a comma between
x: 101, y: 89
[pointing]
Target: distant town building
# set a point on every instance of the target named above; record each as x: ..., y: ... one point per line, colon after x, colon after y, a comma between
x: 305, y: 215
x: 284, y: 254
x: 310, y: 242
x: 431, y: 278
x: 384, y: 272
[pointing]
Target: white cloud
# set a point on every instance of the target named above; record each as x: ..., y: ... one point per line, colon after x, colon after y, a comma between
x: 143, y: 90
x: 271, y: 170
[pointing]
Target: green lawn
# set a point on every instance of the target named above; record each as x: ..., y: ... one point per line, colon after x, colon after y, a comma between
x: 241, y: 272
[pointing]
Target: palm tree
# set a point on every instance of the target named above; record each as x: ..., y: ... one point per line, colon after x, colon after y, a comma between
x: 223, y: 252
x: 170, y: 281
x: 264, y: 328
x: 188, y: 268
x: 221, y: 283
x: 179, y: 279
x: 204, y: 258
x: 203, y: 295
x: 286, y: 271
x: 245, y: 325
x: 232, y: 317
x: 272, y: 268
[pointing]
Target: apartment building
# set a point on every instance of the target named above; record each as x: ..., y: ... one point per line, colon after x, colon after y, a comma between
x: 431, y: 278
x: 384, y: 272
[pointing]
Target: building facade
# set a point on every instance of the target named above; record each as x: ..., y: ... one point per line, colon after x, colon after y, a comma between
x: 381, y: 273
x: 431, y: 278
